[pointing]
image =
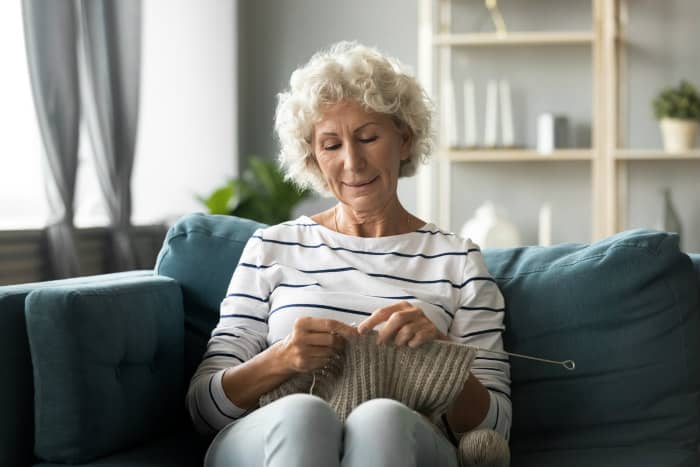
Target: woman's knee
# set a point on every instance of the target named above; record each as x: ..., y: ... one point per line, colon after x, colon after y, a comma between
x: 305, y: 410
x: 381, y: 413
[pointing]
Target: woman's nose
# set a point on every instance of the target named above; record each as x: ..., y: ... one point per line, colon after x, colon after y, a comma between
x: 353, y: 157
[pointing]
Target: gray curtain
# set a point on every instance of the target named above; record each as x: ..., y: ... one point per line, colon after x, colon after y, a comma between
x: 110, y: 81
x: 50, y: 35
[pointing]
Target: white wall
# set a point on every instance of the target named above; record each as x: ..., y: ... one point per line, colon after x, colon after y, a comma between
x: 278, y: 36
x: 187, y: 140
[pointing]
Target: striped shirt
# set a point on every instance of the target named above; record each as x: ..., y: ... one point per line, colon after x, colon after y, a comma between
x: 301, y: 268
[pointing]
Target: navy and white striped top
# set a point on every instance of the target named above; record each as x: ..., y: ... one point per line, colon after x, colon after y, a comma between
x: 302, y: 268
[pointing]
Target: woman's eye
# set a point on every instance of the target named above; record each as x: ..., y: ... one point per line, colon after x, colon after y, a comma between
x: 331, y: 147
x: 368, y: 140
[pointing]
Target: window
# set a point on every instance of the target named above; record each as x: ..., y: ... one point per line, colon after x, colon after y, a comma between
x: 22, y: 196
x: 23, y: 202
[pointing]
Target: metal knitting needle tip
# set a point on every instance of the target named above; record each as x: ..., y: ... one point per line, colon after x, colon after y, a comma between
x: 568, y: 364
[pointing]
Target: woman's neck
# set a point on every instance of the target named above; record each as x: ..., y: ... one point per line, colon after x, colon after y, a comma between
x: 390, y: 220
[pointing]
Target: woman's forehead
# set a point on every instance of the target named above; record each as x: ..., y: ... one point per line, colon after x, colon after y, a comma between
x: 350, y: 114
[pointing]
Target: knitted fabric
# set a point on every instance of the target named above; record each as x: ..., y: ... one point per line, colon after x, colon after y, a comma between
x: 426, y: 379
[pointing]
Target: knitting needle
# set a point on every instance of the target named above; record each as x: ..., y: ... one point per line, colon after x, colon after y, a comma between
x: 568, y: 364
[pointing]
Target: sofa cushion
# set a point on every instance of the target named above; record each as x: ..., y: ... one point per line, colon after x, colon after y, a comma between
x: 201, y: 252
x: 16, y: 393
x: 636, y: 456
x: 179, y: 449
x: 107, y: 365
x: 626, y: 310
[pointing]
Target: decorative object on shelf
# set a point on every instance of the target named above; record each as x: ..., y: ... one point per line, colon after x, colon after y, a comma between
x: 507, y: 138
x: 672, y: 222
x: 489, y: 228
x: 261, y: 194
x: 469, y: 114
x: 544, y: 230
x: 449, y: 114
x: 491, y: 114
x: 496, y: 16
x: 678, y: 111
x: 551, y: 133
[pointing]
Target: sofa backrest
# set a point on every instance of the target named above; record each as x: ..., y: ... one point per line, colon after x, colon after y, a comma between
x: 625, y: 309
x: 17, y: 389
x: 201, y: 252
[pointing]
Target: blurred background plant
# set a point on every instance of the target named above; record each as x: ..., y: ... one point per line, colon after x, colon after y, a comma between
x: 261, y: 194
x: 681, y: 102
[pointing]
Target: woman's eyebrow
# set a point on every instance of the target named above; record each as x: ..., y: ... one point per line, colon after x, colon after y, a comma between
x: 333, y: 133
x: 364, y: 125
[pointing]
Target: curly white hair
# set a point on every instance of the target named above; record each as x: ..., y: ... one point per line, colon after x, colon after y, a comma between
x: 354, y: 72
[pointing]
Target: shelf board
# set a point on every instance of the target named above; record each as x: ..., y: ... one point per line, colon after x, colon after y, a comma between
x: 515, y: 155
x: 515, y: 38
x: 655, y: 155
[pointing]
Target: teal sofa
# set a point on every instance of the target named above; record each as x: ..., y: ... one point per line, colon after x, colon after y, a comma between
x: 94, y: 370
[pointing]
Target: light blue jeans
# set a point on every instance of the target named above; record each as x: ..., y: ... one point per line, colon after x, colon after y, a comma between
x: 303, y: 430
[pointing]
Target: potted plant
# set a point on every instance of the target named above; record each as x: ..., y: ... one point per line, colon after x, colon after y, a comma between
x: 678, y: 110
x: 261, y: 194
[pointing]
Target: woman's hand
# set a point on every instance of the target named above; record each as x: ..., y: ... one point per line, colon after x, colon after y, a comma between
x: 406, y: 324
x: 313, y: 342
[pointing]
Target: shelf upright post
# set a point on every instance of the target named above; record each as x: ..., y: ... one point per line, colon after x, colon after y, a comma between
x: 621, y: 101
x: 605, y: 121
x: 610, y: 117
x: 425, y: 177
x: 444, y: 163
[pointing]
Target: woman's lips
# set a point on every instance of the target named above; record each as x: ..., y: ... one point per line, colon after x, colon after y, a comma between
x: 361, y: 184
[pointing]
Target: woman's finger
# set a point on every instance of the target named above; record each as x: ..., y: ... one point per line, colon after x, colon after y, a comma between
x: 421, y: 337
x: 324, y: 339
x: 396, y: 321
x: 406, y: 333
x: 325, y: 325
x: 381, y: 315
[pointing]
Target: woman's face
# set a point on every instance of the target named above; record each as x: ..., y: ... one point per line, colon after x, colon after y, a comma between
x: 359, y: 154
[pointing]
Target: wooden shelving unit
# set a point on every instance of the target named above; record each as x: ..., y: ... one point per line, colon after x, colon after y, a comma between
x: 516, y: 38
x: 515, y: 155
x: 607, y: 156
x: 655, y: 155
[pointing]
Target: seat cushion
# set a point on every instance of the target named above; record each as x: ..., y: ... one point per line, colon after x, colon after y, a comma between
x: 632, y: 456
x: 107, y: 361
x: 625, y: 309
x: 16, y: 393
x: 180, y: 449
x: 201, y: 252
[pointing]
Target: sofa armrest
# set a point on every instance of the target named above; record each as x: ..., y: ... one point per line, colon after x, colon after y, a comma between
x: 107, y: 365
x: 17, y: 390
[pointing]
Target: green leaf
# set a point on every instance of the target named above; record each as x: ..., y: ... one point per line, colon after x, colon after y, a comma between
x: 260, y: 193
x: 218, y: 201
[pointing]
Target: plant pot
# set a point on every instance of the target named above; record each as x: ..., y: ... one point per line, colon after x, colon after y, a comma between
x: 679, y: 134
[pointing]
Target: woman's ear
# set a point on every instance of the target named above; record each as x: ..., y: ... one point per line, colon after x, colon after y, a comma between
x: 406, y: 141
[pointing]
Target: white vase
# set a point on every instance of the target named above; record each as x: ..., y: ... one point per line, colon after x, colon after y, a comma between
x: 679, y: 134
x: 489, y: 228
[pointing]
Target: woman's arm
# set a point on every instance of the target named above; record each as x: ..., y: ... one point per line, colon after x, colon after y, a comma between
x: 470, y: 407
x: 312, y: 342
x: 484, y: 402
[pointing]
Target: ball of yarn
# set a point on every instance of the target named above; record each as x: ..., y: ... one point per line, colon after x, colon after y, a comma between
x: 483, y: 448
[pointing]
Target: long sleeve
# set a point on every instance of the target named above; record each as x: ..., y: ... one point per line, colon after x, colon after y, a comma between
x: 479, y: 322
x: 239, y: 335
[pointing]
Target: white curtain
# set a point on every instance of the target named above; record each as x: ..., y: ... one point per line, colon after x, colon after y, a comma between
x: 110, y: 46
x: 51, y: 36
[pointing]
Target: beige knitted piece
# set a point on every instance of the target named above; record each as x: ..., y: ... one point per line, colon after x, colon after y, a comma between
x: 425, y: 379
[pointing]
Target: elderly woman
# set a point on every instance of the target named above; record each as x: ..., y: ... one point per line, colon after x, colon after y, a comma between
x: 351, y: 124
